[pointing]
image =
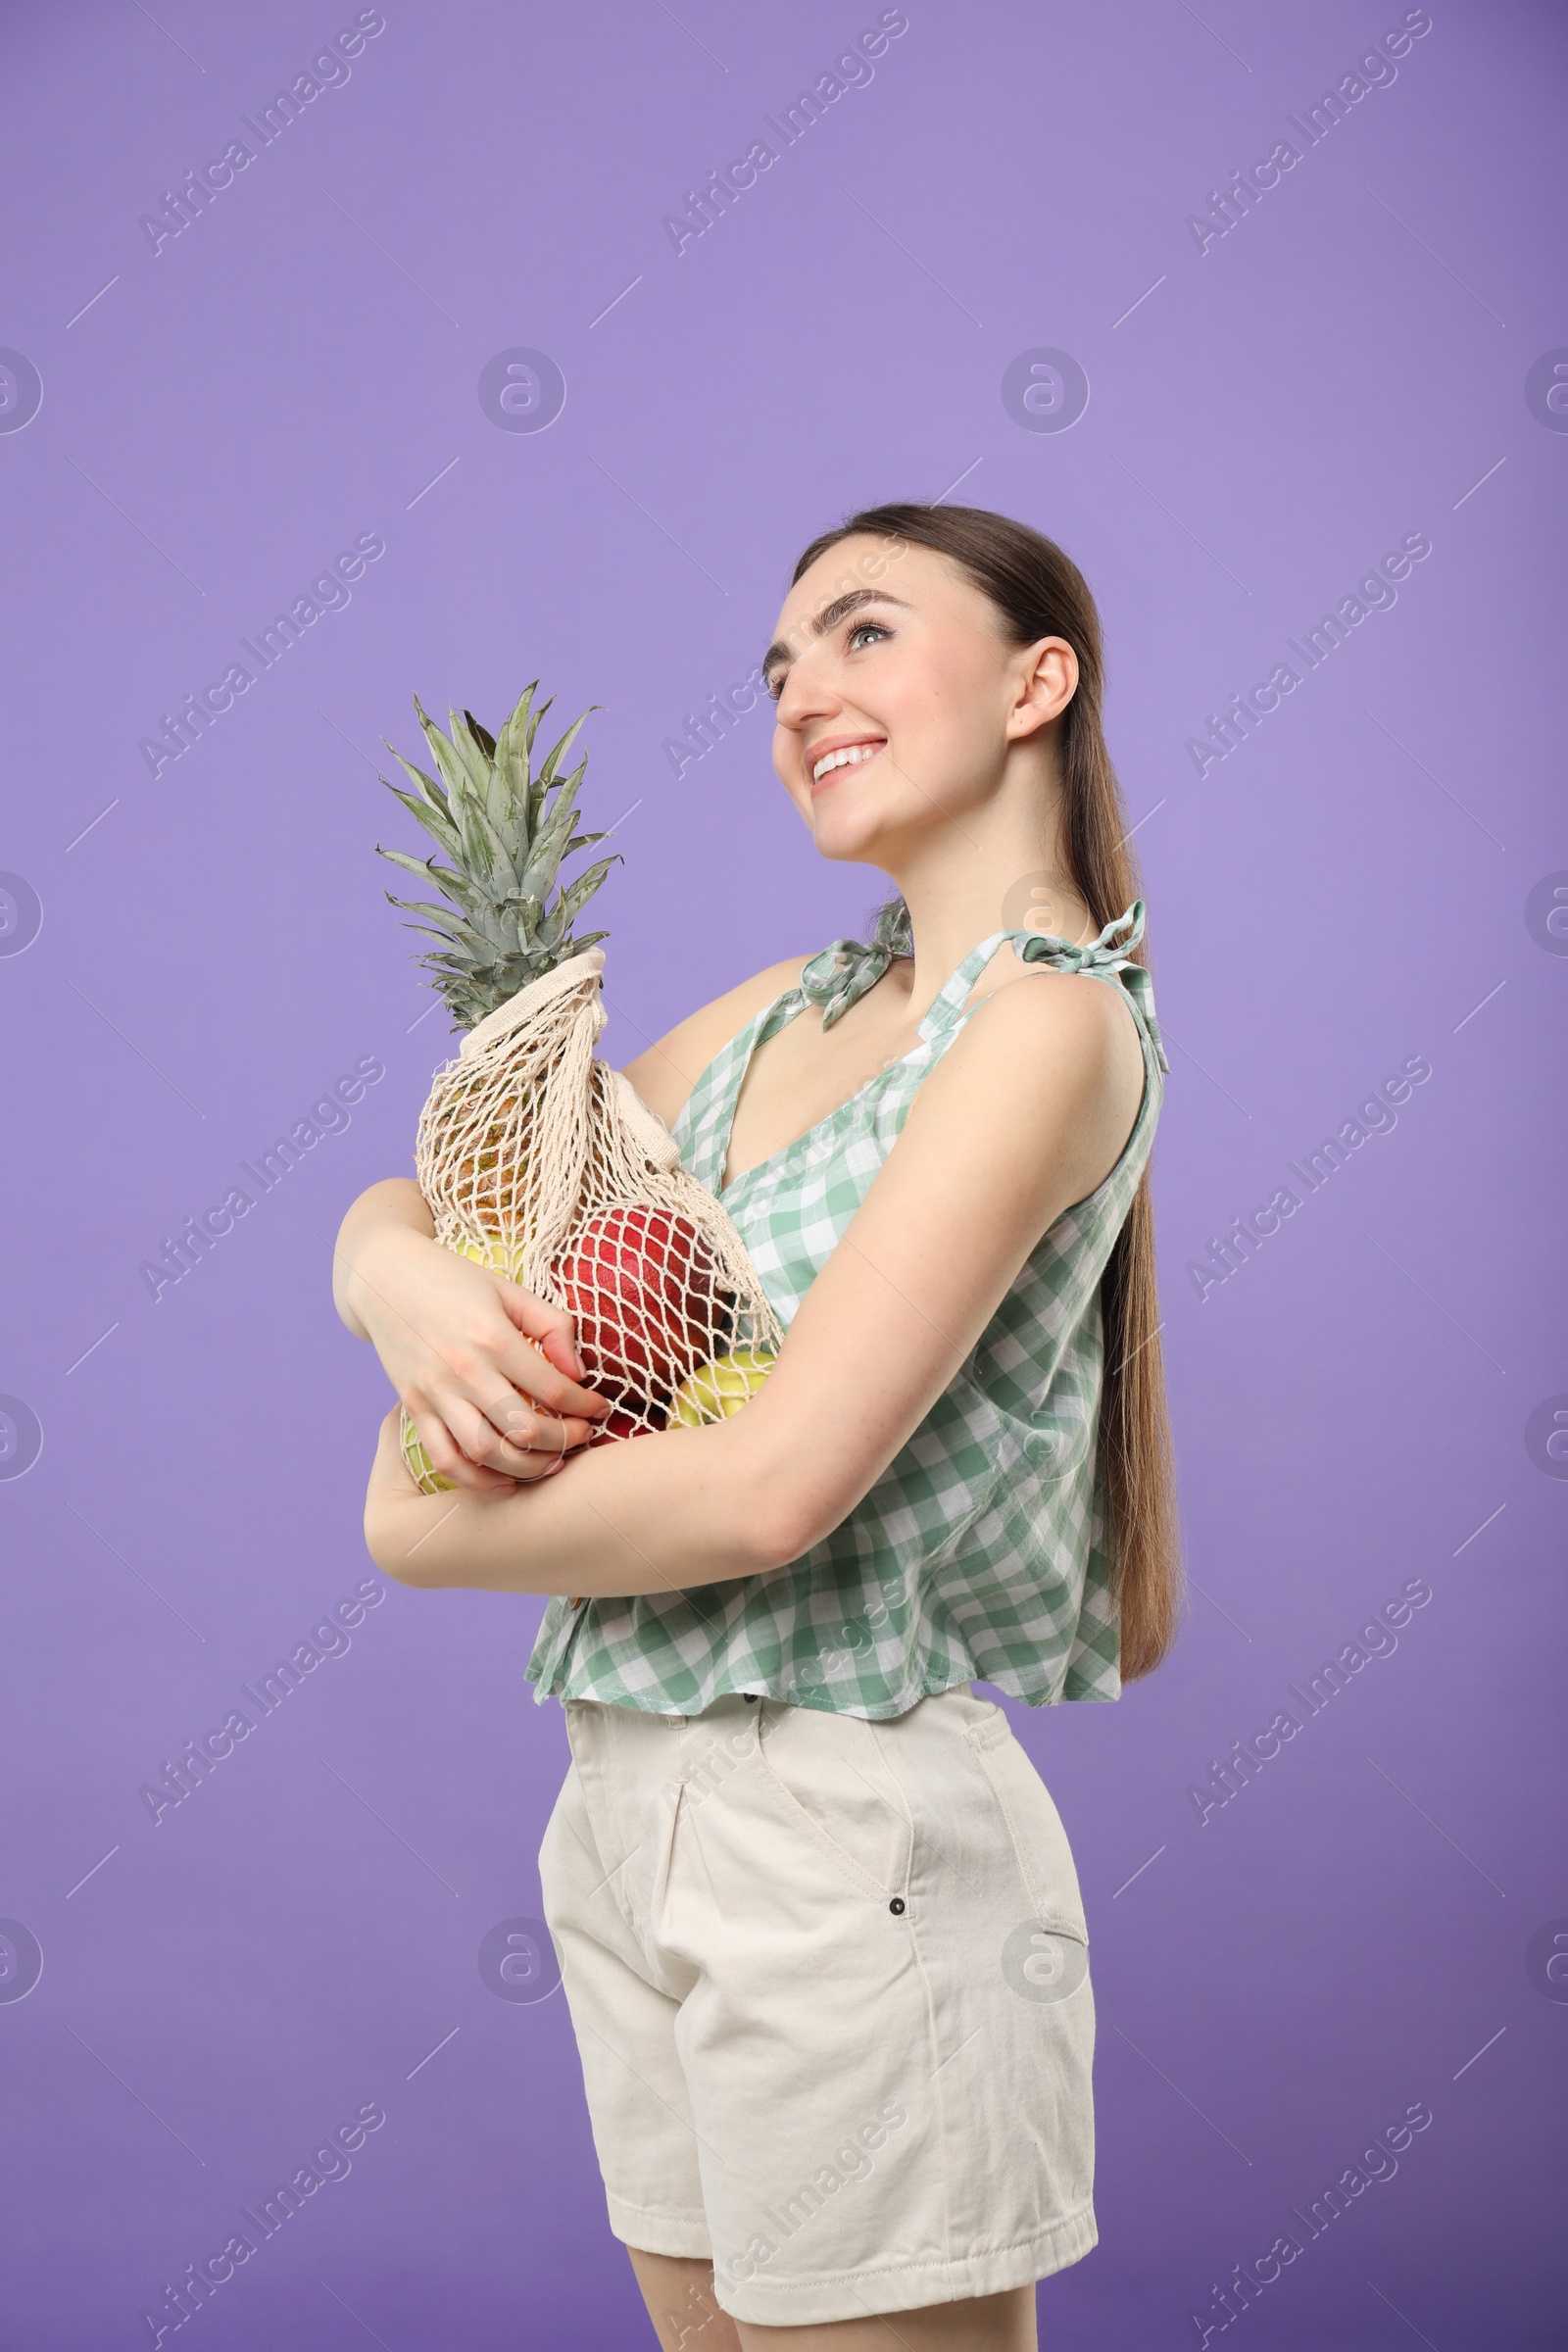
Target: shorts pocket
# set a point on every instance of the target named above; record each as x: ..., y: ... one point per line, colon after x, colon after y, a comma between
x: 1046, y: 1871
x: 831, y: 1779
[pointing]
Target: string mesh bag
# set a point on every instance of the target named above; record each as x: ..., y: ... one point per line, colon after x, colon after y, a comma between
x: 537, y: 1159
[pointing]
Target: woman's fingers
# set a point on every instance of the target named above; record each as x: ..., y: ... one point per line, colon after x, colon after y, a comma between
x: 550, y: 1325
x: 532, y: 1449
x: 488, y: 1371
x: 523, y: 1359
x: 448, y: 1457
x: 519, y: 1423
x: 527, y: 1427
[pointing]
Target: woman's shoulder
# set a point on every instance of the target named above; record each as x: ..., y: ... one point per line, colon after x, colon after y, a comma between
x: 1067, y: 1065
x: 670, y: 1067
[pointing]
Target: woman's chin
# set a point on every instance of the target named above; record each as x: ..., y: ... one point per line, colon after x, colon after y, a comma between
x: 848, y: 837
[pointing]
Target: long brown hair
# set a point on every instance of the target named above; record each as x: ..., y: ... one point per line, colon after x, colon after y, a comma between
x: 1038, y: 591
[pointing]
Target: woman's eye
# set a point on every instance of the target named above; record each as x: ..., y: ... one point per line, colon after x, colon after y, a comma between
x: 773, y: 687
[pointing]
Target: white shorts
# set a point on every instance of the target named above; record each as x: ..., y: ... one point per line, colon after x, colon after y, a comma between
x: 830, y: 1986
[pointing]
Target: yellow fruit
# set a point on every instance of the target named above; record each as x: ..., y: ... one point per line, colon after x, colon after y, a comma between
x: 417, y: 1462
x: 721, y: 1388
x: 502, y: 1257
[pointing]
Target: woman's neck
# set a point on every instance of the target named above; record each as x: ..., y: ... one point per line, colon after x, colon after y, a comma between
x: 986, y: 874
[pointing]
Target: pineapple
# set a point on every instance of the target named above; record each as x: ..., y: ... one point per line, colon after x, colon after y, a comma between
x: 507, y: 832
x: 507, y: 840
x: 536, y: 1160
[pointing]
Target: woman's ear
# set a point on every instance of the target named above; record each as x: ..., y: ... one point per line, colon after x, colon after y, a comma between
x: 1046, y: 681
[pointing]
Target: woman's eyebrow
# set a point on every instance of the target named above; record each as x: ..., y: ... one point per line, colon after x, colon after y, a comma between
x: 830, y: 615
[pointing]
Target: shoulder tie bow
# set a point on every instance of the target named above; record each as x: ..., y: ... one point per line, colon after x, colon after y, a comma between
x: 844, y: 971
x: 1111, y: 954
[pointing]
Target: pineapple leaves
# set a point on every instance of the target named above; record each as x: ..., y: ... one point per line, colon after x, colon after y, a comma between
x: 548, y: 774
x: 435, y: 813
x: 432, y: 817
x: 515, y: 748
x: 557, y: 753
x: 507, y: 832
x: 453, y: 773
x: 577, y: 894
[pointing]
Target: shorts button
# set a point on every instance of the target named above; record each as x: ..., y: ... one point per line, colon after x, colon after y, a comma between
x: 896, y: 1905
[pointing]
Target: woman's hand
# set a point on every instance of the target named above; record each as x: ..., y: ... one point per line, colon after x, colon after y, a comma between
x: 489, y: 1374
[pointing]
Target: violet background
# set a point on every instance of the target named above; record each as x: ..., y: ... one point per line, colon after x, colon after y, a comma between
x: 1350, y: 1935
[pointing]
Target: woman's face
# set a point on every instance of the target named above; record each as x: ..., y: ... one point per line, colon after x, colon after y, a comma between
x: 899, y: 698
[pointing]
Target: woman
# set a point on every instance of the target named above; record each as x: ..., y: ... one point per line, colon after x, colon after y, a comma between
x: 819, y: 1925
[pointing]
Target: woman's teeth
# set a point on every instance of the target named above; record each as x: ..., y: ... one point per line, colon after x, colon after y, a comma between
x: 849, y: 758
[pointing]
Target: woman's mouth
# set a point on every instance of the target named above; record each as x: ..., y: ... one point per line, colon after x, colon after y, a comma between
x: 831, y: 762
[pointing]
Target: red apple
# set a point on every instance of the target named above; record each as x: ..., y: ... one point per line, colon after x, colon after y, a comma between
x: 640, y: 1284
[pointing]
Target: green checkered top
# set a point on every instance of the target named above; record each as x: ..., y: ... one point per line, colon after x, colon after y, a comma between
x: 980, y: 1553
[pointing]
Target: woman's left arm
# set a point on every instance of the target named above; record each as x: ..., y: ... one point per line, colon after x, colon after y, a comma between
x: 1025, y: 1115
